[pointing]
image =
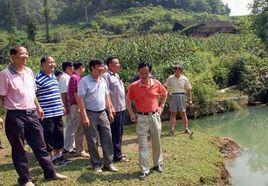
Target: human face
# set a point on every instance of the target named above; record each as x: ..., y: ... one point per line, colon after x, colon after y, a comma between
x: 49, y: 65
x: 178, y: 72
x: 21, y: 57
x: 105, y: 69
x: 114, y: 66
x: 81, y: 70
x: 97, y: 70
x: 70, y: 70
x: 144, y: 73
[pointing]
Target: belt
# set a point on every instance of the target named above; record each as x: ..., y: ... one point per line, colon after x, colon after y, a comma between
x: 27, y: 112
x: 179, y: 93
x: 147, y: 113
x: 96, y: 111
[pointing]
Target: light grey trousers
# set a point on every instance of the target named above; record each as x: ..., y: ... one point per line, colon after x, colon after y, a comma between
x: 146, y: 123
x: 69, y: 143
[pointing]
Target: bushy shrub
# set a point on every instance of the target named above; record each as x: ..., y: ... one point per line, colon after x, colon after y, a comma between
x: 221, y: 76
x: 237, y: 71
x: 255, y: 79
x: 204, y: 91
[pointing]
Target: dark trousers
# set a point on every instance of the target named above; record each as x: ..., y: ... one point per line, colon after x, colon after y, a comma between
x: 53, y: 132
x: 117, y: 133
x: 20, y: 127
x: 99, y: 125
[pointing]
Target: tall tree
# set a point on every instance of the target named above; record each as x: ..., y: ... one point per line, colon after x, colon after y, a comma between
x: 260, y: 19
x: 46, y: 14
x: 32, y: 28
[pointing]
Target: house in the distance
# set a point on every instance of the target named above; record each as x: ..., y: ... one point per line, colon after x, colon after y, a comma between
x: 204, y: 29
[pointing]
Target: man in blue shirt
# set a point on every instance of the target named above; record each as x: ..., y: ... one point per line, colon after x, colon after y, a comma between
x: 49, y: 98
x: 93, y: 99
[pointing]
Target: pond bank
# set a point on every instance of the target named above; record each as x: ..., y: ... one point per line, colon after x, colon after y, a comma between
x: 229, y: 148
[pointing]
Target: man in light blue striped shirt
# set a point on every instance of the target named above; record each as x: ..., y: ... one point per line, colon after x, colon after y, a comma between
x: 49, y: 98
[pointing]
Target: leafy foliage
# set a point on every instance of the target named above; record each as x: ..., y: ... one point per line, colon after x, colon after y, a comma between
x: 260, y: 19
x: 210, y: 63
x: 15, y: 13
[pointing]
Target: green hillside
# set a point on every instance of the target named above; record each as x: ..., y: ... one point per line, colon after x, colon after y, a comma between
x: 145, y: 34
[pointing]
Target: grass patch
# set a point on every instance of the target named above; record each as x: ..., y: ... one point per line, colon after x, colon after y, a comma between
x: 186, y: 162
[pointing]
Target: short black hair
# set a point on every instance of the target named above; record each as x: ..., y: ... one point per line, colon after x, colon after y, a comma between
x: 13, y: 51
x: 94, y: 62
x: 143, y: 64
x: 44, y: 58
x: 110, y: 60
x: 57, y: 72
x: 66, y: 64
x: 77, y: 65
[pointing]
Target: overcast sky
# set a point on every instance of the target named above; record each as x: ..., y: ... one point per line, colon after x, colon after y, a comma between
x: 238, y: 7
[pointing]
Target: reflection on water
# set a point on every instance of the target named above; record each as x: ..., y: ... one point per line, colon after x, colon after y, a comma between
x: 250, y: 129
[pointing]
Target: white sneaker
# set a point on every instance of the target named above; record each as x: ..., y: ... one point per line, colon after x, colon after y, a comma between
x: 97, y: 170
x: 83, y: 154
x: 59, y: 176
x: 29, y: 183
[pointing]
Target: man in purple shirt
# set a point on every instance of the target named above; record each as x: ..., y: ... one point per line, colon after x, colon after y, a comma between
x: 76, y: 119
x: 22, y: 119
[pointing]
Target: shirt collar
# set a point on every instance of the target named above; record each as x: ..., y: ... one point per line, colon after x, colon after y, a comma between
x: 92, y: 79
x: 142, y: 85
x: 75, y: 73
x: 50, y: 75
x: 12, y: 70
x: 113, y: 74
x: 176, y: 76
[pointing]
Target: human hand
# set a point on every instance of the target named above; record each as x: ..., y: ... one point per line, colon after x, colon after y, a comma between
x: 40, y: 113
x: 86, y: 122
x: 160, y: 110
x: 133, y: 118
x: 1, y: 123
x: 65, y: 110
x: 190, y: 102
x: 111, y: 118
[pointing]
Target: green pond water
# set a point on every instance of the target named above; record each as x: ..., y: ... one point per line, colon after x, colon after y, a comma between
x: 250, y: 129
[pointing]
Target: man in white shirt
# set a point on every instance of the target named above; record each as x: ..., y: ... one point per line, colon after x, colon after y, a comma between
x: 178, y: 85
x: 68, y: 70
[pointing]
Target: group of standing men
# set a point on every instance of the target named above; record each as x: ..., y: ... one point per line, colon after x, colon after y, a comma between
x: 95, y: 107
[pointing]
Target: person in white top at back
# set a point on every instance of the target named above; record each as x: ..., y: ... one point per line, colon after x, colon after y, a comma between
x: 178, y: 86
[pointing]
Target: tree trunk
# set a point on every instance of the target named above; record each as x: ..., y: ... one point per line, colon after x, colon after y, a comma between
x: 46, y: 13
x: 86, y: 14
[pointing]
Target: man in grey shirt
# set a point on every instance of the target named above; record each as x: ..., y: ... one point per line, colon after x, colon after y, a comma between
x: 117, y: 94
x: 93, y: 99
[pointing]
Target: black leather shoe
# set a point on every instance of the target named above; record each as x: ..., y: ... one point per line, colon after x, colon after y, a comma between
x: 158, y: 168
x: 142, y: 176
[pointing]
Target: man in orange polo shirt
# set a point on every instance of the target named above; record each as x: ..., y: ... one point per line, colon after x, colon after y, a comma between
x: 146, y: 94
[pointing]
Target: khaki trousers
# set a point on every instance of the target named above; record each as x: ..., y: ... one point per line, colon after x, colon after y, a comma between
x: 76, y: 120
x: 146, y: 123
x: 69, y: 143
